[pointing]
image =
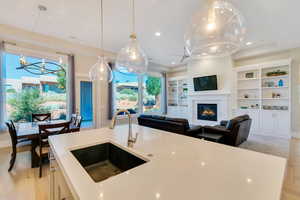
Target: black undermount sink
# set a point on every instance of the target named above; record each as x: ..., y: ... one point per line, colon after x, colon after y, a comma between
x: 106, y: 160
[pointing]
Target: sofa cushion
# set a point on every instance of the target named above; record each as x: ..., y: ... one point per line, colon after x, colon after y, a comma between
x: 175, y: 125
x: 184, y: 122
x: 180, y: 120
x: 158, y: 117
x: 229, y: 125
x: 146, y: 116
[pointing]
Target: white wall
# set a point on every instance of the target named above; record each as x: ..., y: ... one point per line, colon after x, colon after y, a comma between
x: 222, y: 67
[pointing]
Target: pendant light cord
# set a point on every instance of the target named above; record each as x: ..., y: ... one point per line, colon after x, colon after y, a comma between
x: 101, y: 26
x: 133, y: 17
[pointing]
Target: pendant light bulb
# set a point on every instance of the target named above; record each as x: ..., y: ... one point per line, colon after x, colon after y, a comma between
x: 101, y: 71
x: 132, y: 58
x: 216, y: 31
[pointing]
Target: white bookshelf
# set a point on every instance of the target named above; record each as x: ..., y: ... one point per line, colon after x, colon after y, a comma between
x: 264, y: 92
x: 177, y: 96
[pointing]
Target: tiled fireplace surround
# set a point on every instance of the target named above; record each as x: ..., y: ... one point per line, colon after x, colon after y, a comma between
x: 221, y: 99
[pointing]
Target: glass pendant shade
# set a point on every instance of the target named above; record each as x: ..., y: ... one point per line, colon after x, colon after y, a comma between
x: 216, y: 31
x: 131, y: 58
x: 101, y: 71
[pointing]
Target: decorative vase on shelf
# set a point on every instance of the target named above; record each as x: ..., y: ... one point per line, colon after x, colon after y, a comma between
x: 280, y: 83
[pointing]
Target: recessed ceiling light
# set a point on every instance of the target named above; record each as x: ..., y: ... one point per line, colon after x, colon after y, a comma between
x: 157, y: 34
x: 157, y: 195
x: 249, y: 180
x: 249, y: 43
x: 214, y: 48
x: 173, y: 63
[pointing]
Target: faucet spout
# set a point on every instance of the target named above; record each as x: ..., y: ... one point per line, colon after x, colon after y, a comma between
x: 131, y: 140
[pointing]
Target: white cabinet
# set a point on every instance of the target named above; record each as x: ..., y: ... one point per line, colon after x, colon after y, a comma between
x: 276, y: 123
x: 269, y: 121
x: 58, y: 187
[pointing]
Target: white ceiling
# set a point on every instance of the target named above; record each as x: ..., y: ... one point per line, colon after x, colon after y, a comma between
x: 272, y: 24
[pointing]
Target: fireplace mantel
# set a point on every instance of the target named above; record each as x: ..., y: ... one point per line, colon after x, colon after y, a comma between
x: 208, y: 93
x: 221, y: 99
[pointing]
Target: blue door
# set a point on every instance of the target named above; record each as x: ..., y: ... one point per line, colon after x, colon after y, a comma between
x: 86, y: 100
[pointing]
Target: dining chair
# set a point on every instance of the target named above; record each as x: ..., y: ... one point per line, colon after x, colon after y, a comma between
x: 73, y: 118
x: 75, y: 123
x: 41, y: 117
x: 17, y: 144
x: 46, y: 130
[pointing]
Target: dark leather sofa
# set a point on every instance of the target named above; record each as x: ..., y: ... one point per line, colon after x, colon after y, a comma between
x: 175, y: 125
x: 235, y: 131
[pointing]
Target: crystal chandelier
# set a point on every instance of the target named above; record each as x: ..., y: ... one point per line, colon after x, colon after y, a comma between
x: 216, y: 31
x: 131, y: 58
x: 101, y: 71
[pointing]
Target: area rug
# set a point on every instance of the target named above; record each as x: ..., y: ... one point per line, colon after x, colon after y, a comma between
x: 268, y: 145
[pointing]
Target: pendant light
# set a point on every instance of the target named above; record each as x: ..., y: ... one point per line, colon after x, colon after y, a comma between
x: 131, y: 58
x: 101, y: 71
x: 217, y: 31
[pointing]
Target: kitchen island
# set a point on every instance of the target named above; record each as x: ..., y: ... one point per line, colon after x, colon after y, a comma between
x: 176, y: 168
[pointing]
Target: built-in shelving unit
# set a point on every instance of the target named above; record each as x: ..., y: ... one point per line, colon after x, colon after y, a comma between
x: 264, y: 92
x: 177, y: 96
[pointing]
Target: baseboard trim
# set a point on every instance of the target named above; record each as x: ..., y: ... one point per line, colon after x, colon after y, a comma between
x: 270, y: 135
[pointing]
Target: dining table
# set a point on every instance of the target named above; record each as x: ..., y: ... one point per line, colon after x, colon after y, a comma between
x: 30, y: 131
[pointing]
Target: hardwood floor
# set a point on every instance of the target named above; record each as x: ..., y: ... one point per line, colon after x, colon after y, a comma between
x: 23, y: 183
x: 291, y: 187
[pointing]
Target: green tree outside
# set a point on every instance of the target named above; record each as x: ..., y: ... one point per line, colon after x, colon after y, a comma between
x: 61, y: 79
x: 153, y: 87
x: 128, y: 91
x: 25, y: 103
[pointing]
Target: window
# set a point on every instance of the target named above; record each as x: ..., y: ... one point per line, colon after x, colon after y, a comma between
x: 26, y: 93
x: 152, y: 87
x: 136, y: 93
x: 126, y: 92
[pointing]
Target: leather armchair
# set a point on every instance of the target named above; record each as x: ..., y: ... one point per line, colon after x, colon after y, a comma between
x: 235, y: 131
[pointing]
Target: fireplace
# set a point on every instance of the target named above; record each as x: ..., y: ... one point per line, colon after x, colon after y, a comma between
x: 208, y: 112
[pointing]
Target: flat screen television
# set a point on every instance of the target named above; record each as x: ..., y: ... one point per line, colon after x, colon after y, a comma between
x: 206, y: 83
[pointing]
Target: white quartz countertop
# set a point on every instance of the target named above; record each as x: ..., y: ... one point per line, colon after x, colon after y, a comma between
x: 180, y: 168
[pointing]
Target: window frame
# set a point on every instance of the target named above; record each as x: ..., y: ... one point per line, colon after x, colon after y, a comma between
x: 141, y: 78
x: 12, y: 49
x: 158, y: 75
